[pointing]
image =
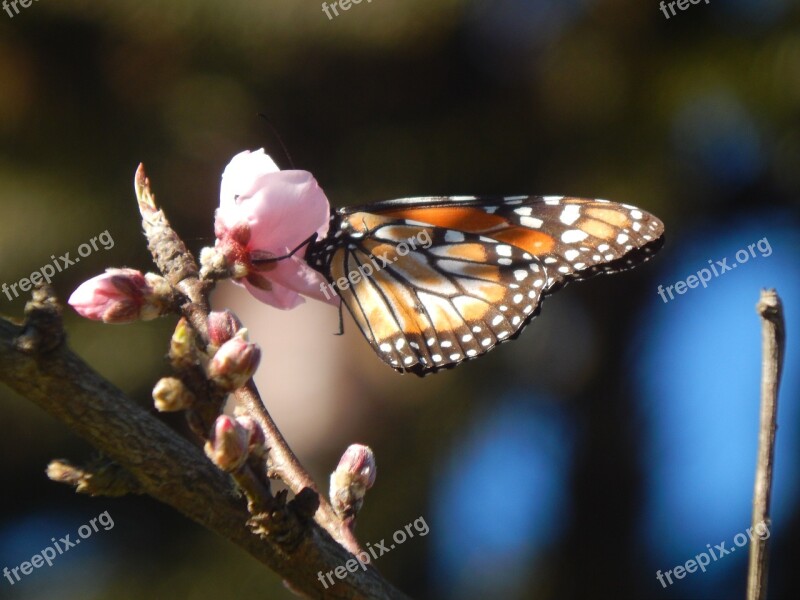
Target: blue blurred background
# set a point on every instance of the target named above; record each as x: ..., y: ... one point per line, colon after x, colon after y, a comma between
x: 615, y: 439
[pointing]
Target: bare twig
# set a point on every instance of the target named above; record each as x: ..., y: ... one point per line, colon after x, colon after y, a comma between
x: 284, y: 465
x: 773, y: 340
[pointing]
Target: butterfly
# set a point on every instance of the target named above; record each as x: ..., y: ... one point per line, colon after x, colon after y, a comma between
x: 434, y: 281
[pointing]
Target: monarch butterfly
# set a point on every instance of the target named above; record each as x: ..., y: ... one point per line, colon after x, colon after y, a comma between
x: 435, y: 281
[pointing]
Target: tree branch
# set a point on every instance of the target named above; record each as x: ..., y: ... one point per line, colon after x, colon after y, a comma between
x: 178, y: 265
x: 36, y: 363
x: 773, y: 342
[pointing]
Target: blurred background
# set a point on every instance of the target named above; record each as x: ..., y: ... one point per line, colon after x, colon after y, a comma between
x: 615, y: 438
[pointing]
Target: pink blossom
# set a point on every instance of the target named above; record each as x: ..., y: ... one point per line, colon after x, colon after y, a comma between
x: 116, y: 296
x: 265, y: 212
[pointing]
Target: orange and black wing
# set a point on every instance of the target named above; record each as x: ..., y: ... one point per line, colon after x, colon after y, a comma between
x: 435, y: 281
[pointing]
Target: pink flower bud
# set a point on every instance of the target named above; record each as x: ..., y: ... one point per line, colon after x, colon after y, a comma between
x: 256, y: 438
x: 228, y: 445
x: 352, y: 478
x: 234, y: 363
x: 121, y: 296
x: 222, y: 326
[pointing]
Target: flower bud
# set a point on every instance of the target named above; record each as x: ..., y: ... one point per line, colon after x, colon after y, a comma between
x: 182, y: 348
x: 222, y: 326
x: 171, y: 395
x: 235, y: 362
x: 352, y: 478
x: 122, y: 296
x: 256, y: 440
x: 228, y: 445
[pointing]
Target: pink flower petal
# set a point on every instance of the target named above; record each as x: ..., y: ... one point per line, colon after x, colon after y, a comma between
x: 241, y: 175
x: 286, y: 211
x: 281, y: 210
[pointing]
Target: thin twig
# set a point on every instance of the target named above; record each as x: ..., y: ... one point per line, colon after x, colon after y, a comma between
x: 773, y: 340
x: 284, y: 465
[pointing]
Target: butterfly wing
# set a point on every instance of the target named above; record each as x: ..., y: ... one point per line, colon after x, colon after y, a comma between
x: 430, y: 308
x: 574, y: 238
x: 435, y: 281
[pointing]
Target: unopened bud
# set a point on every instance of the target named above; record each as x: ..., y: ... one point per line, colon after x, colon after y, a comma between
x: 234, y: 363
x: 122, y: 296
x: 352, y: 478
x: 222, y: 326
x: 182, y: 349
x: 171, y: 394
x: 228, y: 445
x: 255, y: 440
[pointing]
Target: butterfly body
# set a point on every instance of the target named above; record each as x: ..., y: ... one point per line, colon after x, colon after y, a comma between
x: 434, y: 281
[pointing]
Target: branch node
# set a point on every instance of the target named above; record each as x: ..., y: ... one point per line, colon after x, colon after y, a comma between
x: 43, y: 331
x: 101, y: 477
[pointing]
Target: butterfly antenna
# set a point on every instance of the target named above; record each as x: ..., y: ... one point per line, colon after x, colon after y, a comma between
x: 278, y: 137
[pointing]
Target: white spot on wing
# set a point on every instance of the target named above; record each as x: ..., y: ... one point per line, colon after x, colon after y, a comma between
x: 531, y: 222
x: 570, y: 236
x: 570, y: 214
